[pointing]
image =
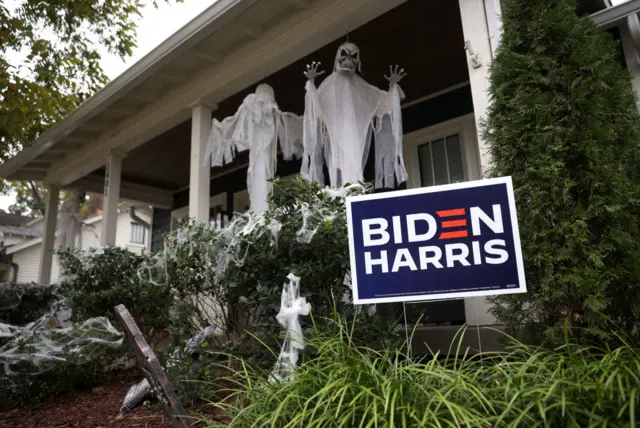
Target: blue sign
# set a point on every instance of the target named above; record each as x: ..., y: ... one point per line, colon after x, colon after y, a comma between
x: 443, y: 242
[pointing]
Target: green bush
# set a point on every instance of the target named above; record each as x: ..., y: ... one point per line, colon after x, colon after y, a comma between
x: 564, y: 125
x: 96, y: 281
x: 343, y: 384
x: 233, y: 277
x: 35, y: 367
x: 21, y: 304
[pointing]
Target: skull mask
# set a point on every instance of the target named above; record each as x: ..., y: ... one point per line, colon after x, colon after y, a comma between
x: 347, y: 58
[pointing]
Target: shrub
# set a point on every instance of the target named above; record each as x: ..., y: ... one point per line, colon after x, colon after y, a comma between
x: 564, y: 125
x: 21, y: 304
x: 37, y: 366
x: 96, y: 281
x: 233, y: 277
x: 343, y: 384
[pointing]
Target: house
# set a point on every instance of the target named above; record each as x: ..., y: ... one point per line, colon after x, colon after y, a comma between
x: 143, y: 137
x: 25, y: 254
x: 12, y: 231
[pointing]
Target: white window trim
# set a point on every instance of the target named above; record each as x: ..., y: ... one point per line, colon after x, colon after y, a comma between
x: 462, y: 125
x: 144, y: 235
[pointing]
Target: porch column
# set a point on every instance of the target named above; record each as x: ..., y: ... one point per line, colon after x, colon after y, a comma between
x: 111, y: 198
x: 475, y: 29
x: 49, y: 235
x: 630, y: 38
x: 199, y: 179
x: 481, y: 37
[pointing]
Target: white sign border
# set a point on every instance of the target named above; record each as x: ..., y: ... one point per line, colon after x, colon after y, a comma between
x: 522, y: 285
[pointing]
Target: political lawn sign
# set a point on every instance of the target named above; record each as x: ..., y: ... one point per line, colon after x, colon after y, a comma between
x: 452, y: 241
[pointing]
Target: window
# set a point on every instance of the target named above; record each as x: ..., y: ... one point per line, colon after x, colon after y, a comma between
x: 442, y: 154
x: 441, y: 161
x: 138, y: 233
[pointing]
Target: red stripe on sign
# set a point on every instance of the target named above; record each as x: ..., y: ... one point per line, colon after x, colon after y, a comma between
x: 451, y: 213
x: 454, y: 223
x: 452, y: 235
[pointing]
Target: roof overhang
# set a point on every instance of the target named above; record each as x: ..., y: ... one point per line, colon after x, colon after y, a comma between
x: 616, y: 15
x: 230, y: 46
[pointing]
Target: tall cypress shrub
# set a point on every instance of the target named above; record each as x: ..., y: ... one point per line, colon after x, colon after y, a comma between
x: 565, y: 126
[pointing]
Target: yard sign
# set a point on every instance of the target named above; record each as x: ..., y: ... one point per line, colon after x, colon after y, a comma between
x: 443, y: 242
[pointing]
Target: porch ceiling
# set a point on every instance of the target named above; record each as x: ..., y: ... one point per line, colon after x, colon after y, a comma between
x: 218, y: 53
x: 425, y: 38
x: 203, y: 43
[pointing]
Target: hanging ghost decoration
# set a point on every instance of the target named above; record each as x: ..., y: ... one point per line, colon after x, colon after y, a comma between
x: 69, y: 223
x: 257, y: 126
x: 292, y: 306
x: 340, y: 117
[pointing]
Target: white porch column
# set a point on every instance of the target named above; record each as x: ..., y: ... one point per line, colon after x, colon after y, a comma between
x: 478, y: 37
x: 111, y: 198
x: 199, y: 178
x: 49, y: 235
x: 478, y: 46
x: 630, y: 38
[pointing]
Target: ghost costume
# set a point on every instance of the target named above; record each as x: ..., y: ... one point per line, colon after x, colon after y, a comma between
x: 341, y: 116
x: 257, y: 126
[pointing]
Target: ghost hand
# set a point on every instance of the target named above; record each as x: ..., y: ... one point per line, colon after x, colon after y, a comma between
x: 395, y: 74
x: 312, y: 71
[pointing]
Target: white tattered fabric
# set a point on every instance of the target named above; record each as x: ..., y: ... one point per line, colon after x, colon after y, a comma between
x: 340, y: 117
x: 292, y: 306
x: 257, y: 126
x: 69, y: 226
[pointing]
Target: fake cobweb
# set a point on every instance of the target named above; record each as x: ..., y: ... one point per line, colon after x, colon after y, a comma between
x: 38, y: 347
x: 231, y: 244
x: 292, y: 306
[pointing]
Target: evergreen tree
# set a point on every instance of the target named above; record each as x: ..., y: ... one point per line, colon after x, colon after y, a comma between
x: 565, y: 126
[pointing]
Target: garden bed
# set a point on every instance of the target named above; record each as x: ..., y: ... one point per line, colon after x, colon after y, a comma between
x: 92, y: 408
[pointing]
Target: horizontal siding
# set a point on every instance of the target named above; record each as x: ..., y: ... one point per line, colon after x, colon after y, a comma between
x: 28, y: 261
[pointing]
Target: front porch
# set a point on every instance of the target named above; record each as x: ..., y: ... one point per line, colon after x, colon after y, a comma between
x: 143, y: 137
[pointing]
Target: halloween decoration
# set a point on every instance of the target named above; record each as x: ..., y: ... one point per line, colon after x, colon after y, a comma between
x: 292, y: 306
x: 256, y: 126
x: 340, y: 117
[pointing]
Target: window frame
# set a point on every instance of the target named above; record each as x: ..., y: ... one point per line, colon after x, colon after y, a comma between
x: 464, y: 126
x: 132, y: 226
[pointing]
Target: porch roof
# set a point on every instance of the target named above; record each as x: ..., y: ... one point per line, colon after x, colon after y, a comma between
x: 206, y: 61
x: 215, y: 57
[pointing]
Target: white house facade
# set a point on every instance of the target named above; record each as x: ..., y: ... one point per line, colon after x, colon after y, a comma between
x: 132, y: 234
x: 144, y: 136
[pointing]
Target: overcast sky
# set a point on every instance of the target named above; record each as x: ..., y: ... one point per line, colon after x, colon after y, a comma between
x: 154, y: 27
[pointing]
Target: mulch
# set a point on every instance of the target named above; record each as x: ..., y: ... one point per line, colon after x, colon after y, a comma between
x: 95, y: 408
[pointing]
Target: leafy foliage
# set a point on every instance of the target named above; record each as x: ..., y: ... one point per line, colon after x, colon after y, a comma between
x: 36, y: 376
x: 233, y: 277
x: 565, y: 126
x: 21, y: 304
x: 50, y: 61
x: 96, y: 281
x: 343, y: 384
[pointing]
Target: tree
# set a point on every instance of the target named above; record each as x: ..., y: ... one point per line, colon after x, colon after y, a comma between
x: 564, y: 125
x: 50, y: 61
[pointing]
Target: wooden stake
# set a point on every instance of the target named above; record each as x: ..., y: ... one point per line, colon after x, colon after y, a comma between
x: 150, y: 366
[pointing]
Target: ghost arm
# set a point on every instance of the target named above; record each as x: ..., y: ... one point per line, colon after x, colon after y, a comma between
x: 390, y: 165
x: 228, y: 136
x: 290, y: 133
x: 313, y: 126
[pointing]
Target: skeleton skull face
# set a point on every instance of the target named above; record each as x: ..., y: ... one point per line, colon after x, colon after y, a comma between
x: 347, y: 58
